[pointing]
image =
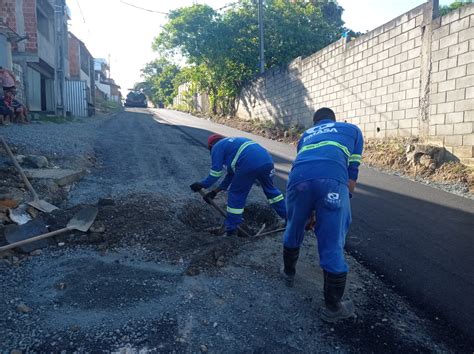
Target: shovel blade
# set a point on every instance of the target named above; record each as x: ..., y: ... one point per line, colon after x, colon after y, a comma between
x: 43, y: 206
x: 16, y: 233
x: 83, y: 219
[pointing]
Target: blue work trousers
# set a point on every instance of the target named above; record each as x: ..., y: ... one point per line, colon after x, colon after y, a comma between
x: 330, y: 200
x: 240, y: 187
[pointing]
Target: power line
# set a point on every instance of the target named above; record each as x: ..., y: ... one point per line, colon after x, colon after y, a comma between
x: 144, y: 9
x: 228, y: 5
x: 80, y: 10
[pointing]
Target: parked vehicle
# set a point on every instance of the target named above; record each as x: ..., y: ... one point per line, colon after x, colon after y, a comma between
x: 136, y: 99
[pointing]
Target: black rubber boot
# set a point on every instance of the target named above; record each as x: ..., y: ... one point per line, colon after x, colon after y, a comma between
x: 290, y: 258
x: 335, y: 309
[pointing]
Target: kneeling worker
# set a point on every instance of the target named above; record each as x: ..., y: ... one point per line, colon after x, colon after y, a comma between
x: 245, y: 161
x: 322, y: 178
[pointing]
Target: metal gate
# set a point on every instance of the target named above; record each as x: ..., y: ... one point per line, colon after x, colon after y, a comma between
x: 76, y: 98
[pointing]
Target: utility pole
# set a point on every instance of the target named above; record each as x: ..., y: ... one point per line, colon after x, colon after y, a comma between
x: 60, y: 50
x: 260, y: 28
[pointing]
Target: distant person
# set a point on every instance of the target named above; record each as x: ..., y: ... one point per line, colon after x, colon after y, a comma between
x: 19, y: 112
x: 321, y: 181
x: 245, y: 162
x: 6, y: 110
x: 7, y: 80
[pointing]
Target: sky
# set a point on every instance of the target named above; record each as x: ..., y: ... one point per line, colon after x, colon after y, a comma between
x: 112, y: 29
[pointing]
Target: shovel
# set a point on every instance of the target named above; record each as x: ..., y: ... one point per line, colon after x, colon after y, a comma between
x: 223, y: 213
x: 81, y: 221
x: 36, y: 203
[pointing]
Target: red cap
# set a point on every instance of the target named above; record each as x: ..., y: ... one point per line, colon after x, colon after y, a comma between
x: 214, y: 138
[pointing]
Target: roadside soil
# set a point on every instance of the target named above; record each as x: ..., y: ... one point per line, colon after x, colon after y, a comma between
x: 150, y: 277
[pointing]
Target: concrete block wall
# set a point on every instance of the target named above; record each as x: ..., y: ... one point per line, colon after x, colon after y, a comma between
x: 452, y: 83
x: 392, y: 82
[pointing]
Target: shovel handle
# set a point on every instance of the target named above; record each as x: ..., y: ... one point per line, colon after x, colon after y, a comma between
x: 33, y: 239
x: 222, y: 212
x: 20, y: 170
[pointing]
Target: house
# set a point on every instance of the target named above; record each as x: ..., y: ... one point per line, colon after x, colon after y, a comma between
x: 37, y: 57
x: 80, y: 79
x: 106, y: 88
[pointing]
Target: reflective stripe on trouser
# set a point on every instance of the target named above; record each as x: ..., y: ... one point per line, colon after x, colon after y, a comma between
x: 240, y: 188
x: 330, y: 199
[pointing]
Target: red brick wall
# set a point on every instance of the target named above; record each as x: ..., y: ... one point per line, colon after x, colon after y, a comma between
x: 73, y: 53
x: 7, y: 11
x: 29, y: 13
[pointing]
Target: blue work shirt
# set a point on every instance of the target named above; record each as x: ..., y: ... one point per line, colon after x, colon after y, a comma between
x: 328, y: 150
x: 234, y: 154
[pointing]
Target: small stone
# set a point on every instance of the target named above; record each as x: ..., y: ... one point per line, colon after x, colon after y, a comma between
x: 16, y: 351
x: 214, y: 324
x: 36, y: 253
x: 220, y: 261
x: 203, y: 348
x: 61, y: 286
x: 97, y: 227
x: 22, y: 308
x: 61, y: 244
x: 36, y: 161
x: 384, y: 320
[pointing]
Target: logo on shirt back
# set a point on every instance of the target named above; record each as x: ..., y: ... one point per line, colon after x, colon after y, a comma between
x: 320, y: 129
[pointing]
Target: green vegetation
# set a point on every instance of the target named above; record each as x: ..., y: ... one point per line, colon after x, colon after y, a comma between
x: 160, y: 81
x: 443, y: 10
x: 222, y: 48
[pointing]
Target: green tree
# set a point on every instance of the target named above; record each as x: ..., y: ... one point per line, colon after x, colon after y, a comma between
x: 443, y: 10
x: 222, y: 48
x: 159, y: 84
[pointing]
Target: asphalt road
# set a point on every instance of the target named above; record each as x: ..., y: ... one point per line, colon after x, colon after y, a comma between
x: 421, y: 239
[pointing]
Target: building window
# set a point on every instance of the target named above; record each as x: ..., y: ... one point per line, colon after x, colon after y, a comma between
x: 43, y: 24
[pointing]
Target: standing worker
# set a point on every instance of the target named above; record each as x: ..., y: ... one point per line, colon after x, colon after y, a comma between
x: 323, y: 176
x: 245, y: 161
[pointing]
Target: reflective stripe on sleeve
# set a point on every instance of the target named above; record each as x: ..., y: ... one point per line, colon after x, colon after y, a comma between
x: 277, y: 199
x: 235, y: 211
x: 241, y: 148
x: 355, y: 158
x: 216, y: 173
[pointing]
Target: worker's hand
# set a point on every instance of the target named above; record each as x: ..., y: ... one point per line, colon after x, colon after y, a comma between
x: 196, y: 186
x: 209, y: 196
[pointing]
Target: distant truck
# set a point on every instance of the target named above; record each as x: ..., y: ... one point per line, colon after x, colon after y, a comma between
x: 136, y: 99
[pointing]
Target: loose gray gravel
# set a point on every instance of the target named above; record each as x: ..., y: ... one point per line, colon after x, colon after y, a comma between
x: 120, y: 301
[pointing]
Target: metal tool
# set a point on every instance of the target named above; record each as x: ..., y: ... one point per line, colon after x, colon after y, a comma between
x: 270, y: 232
x: 81, y: 221
x: 223, y: 213
x: 36, y: 203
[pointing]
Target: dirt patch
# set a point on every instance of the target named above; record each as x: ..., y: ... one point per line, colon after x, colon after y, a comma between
x: 167, y: 229
x: 391, y: 154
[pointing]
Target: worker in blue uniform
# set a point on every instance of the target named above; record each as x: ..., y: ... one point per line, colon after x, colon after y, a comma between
x: 245, y: 162
x: 321, y: 181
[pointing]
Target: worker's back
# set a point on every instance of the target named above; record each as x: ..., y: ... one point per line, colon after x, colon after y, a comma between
x: 326, y: 151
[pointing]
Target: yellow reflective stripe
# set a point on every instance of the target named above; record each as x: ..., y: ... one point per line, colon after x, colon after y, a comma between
x: 242, y: 148
x: 234, y: 210
x: 276, y: 199
x: 216, y: 173
x: 326, y: 143
x: 355, y: 158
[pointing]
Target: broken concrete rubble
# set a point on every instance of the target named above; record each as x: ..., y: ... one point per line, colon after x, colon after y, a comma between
x: 61, y: 177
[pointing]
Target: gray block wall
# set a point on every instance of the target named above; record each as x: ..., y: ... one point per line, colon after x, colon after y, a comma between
x: 413, y: 76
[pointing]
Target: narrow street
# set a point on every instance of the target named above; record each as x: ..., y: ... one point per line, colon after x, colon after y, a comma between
x: 157, y: 279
